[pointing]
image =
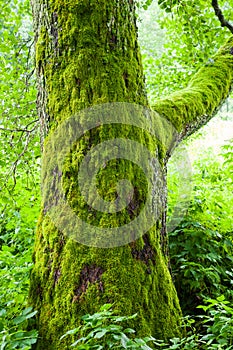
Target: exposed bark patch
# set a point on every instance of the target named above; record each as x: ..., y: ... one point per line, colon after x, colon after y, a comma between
x: 126, y: 79
x: 164, y: 240
x: 78, y: 82
x: 113, y: 40
x: 89, y: 274
x: 134, y: 207
x: 146, y: 254
x: 54, y: 31
x: 56, y: 276
x: 49, y: 266
x: 39, y: 291
x: 61, y: 241
x: 55, y: 197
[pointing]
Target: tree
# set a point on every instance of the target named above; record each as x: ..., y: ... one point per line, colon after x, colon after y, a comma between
x: 87, y: 54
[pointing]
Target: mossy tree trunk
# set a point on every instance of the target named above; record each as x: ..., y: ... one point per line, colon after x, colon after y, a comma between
x: 87, y: 54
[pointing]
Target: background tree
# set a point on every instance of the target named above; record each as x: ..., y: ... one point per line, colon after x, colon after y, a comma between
x: 19, y: 179
x: 87, y: 54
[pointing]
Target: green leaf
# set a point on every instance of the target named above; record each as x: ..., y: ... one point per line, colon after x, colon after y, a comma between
x: 70, y: 332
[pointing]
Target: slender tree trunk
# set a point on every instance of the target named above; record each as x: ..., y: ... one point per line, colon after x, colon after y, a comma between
x: 87, y: 54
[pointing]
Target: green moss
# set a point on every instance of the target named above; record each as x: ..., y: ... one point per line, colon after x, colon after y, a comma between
x: 193, y: 106
x: 87, y: 58
x: 131, y: 284
x: 87, y: 53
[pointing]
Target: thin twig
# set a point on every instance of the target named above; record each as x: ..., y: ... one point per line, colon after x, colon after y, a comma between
x: 29, y: 134
x: 219, y: 14
x: 14, y: 166
x: 24, y: 129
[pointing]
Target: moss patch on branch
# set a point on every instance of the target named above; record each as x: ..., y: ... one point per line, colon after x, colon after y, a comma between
x: 190, y: 108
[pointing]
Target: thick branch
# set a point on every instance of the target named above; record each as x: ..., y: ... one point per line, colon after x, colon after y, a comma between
x: 193, y: 106
x: 219, y: 14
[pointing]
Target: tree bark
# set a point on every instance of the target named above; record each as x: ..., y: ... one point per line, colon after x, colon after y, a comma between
x: 87, y: 54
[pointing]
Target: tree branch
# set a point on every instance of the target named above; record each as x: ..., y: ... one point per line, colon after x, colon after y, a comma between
x: 24, y: 132
x: 22, y: 129
x: 190, y: 108
x: 219, y: 14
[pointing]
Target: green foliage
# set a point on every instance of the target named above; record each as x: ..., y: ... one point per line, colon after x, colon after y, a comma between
x: 19, y: 140
x: 213, y: 197
x: 201, y: 247
x: 183, y: 36
x: 13, y: 335
x: 202, y: 262
x: 101, y: 331
x: 144, y: 4
x: 219, y: 323
x: 17, y: 224
x: 167, y: 5
x: 19, y: 179
x: 227, y: 154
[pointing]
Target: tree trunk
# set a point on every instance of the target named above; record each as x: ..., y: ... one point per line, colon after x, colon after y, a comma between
x: 87, y: 54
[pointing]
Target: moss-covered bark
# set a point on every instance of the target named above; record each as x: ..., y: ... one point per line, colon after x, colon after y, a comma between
x: 86, y: 54
x: 192, y: 107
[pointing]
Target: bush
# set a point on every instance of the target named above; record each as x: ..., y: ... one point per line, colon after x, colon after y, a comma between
x: 102, y: 331
x: 201, y: 246
x: 202, y: 264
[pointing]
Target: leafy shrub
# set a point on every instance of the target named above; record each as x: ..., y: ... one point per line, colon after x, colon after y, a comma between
x: 16, y: 238
x: 18, y: 215
x: 202, y: 261
x: 219, y: 323
x: 101, y: 331
x: 201, y: 246
x: 12, y: 333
